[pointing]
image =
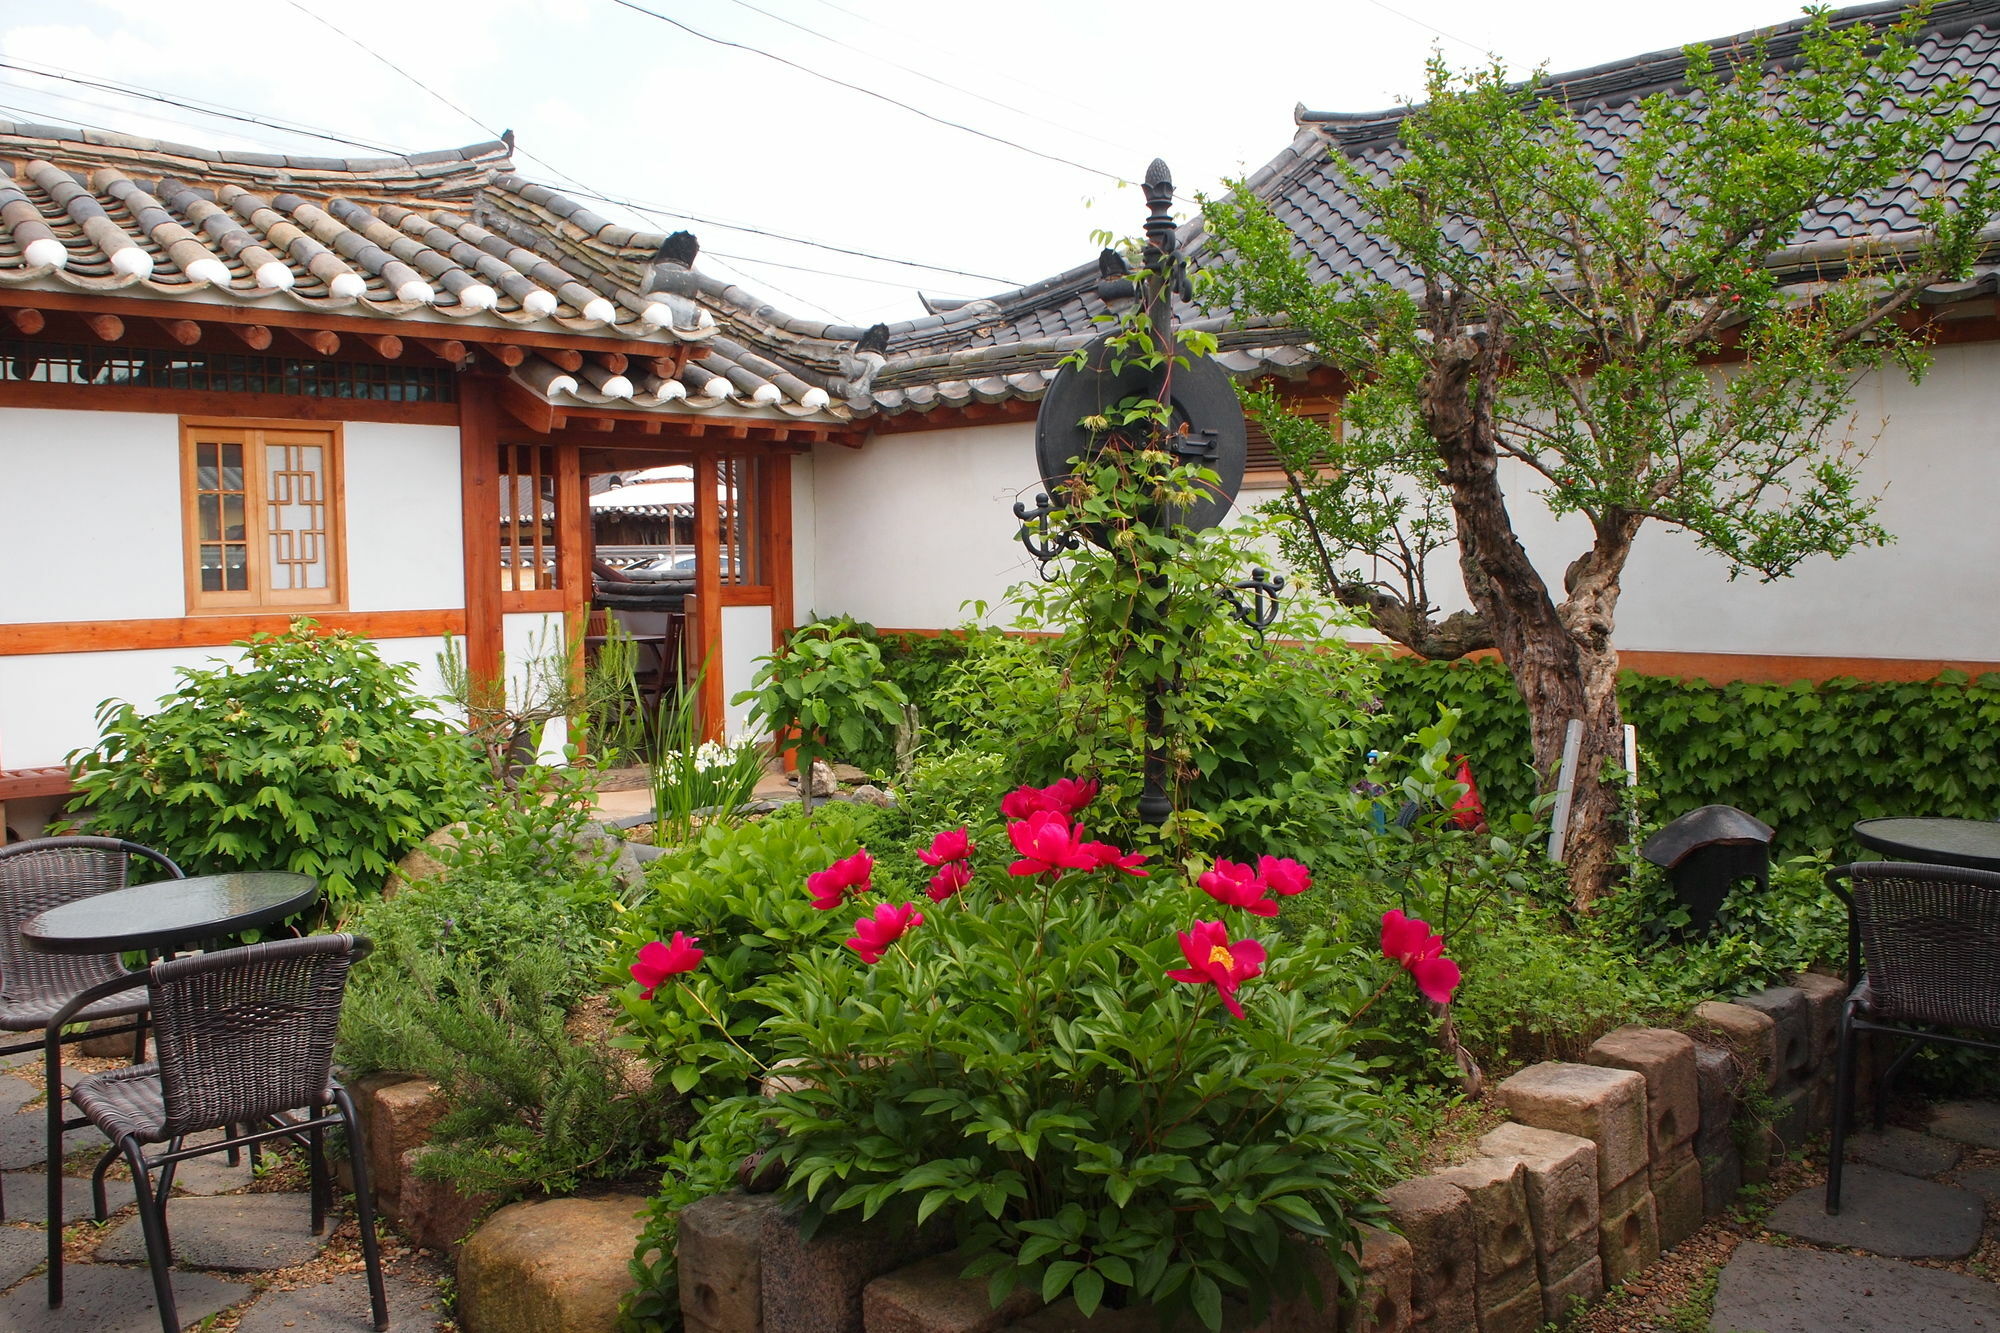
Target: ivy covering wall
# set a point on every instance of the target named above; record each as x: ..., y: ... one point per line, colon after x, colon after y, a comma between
x: 1809, y: 759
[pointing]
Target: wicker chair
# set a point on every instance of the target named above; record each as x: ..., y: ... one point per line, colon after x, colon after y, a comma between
x: 47, y: 872
x: 1931, y: 935
x: 243, y: 1037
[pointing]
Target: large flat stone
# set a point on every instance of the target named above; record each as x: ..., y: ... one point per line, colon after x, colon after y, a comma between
x: 24, y: 1141
x: 107, y: 1298
x: 238, y: 1233
x: 414, y: 1307
x: 27, y: 1195
x: 1886, y: 1213
x: 1904, y: 1150
x: 1984, y: 1181
x: 16, y: 1093
x: 1768, y: 1289
x: 1968, y: 1122
x: 21, y: 1248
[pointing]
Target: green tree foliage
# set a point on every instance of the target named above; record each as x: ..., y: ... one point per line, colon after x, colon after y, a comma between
x: 1566, y: 319
x: 825, y: 692
x: 312, y: 754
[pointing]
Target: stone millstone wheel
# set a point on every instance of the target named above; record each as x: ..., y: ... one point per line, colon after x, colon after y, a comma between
x: 1202, y: 400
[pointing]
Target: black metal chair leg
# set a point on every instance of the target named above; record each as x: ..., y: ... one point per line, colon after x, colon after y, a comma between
x: 364, y: 1206
x: 1843, y: 1111
x: 1888, y: 1077
x: 98, y: 1207
x: 152, y: 1222
x: 316, y: 1173
x: 52, y: 1071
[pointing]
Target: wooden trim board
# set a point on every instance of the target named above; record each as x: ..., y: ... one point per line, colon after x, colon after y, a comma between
x: 38, y: 638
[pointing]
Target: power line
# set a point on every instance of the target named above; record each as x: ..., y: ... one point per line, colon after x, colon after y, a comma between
x: 870, y: 92
x: 928, y: 78
x: 1431, y: 27
x: 657, y: 211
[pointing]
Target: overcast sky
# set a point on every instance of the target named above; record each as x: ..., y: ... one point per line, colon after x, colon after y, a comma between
x: 607, y: 99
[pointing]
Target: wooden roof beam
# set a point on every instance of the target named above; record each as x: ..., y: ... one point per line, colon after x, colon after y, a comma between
x: 567, y: 357
x: 615, y: 362
x: 449, y: 350
x: 507, y: 354
x: 256, y: 337
x: 28, y: 321
x: 385, y: 345
x: 108, y: 328
x: 320, y: 342
x: 183, y: 331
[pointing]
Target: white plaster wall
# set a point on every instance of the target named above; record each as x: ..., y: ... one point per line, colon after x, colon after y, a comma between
x: 48, y: 703
x: 746, y: 636
x: 405, y: 540
x: 90, y: 517
x: 910, y: 525
x: 528, y: 637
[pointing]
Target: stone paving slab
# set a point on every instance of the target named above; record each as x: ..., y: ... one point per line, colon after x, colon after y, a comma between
x: 108, y: 1298
x: 27, y: 1195
x: 21, y: 1248
x: 414, y: 1307
x: 239, y: 1233
x: 1904, y: 1150
x: 16, y: 1093
x: 1983, y: 1181
x: 23, y: 1141
x: 1886, y: 1213
x: 1769, y: 1289
x: 1968, y: 1122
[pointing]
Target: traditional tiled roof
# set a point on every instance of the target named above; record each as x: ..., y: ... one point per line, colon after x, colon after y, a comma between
x: 1007, y: 345
x: 440, y: 240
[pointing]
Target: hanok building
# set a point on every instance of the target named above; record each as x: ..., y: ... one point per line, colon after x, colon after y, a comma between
x: 238, y: 388
x: 235, y: 388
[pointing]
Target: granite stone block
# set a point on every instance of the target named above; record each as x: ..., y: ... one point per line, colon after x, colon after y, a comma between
x: 1629, y: 1242
x: 929, y: 1296
x: 1381, y: 1300
x: 1673, y: 1090
x: 1573, y: 1291
x: 1787, y: 1008
x: 1436, y: 1218
x: 1606, y: 1106
x: 815, y: 1286
x: 1717, y: 1077
x: 1677, y: 1197
x: 1751, y: 1034
x: 720, y: 1256
x: 1560, y: 1176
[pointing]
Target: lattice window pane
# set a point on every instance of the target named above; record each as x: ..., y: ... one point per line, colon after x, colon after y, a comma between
x: 296, y: 518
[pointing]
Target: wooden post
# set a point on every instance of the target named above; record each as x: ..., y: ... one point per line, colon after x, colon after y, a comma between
x: 479, y: 489
x: 704, y: 620
x: 777, y: 490
x: 573, y: 547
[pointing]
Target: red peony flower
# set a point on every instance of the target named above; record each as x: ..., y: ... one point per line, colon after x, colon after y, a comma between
x: 658, y: 961
x: 1409, y: 942
x: 874, y: 934
x: 950, y: 845
x: 1048, y: 842
x: 1070, y: 795
x: 1283, y: 876
x: 1107, y: 857
x: 1024, y: 801
x: 1214, y: 961
x: 832, y: 886
x: 1236, y: 885
x: 950, y: 878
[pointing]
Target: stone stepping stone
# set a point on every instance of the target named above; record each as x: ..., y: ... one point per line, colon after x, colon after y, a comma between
x: 1984, y: 1181
x: 104, y: 1298
x: 414, y: 1307
x: 1968, y: 1122
x: 23, y: 1141
x: 16, y: 1093
x: 21, y: 1248
x: 1904, y: 1150
x: 239, y: 1233
x: 1886, y: 1213
x: 28, y: 1196
x: 1768, y: 1289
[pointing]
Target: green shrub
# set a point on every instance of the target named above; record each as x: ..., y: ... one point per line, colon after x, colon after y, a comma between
x: 312, y: 755
x: 484, y: 979
x: 825, y: 694
x: 1022, y: 1065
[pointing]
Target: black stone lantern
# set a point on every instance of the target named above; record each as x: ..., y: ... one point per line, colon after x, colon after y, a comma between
x: 1706, y: 853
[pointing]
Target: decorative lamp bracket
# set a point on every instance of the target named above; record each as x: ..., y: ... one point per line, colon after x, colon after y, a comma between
x: 1259, y: 610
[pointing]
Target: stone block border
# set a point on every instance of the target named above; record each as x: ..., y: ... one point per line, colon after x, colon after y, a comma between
x: 1604, y: 1165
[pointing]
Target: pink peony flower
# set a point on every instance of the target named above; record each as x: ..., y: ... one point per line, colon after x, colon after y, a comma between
x: 1048, y: 843
x: 832, y: 886
x: 1070, y: 795
x: 950, y: 878
x: 1024, y: 801
x: 1236, y: 885
x: 658, y: 961
x: 1107, y: 857
x: 1283, y: 876
x: 874, y: 934
x: 950, y: 845
x: 1410, y: 943
x: 1213, y: 960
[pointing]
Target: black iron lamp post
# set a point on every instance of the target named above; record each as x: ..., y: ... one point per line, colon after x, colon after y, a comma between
x: 1204, y: 426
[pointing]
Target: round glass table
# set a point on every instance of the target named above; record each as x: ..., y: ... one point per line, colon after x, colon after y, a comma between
x: 170, y: 912
x: 1972, y: 843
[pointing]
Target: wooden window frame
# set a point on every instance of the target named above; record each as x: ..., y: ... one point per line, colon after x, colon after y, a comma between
x: 1273, y: 478
x: 251, y: 432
